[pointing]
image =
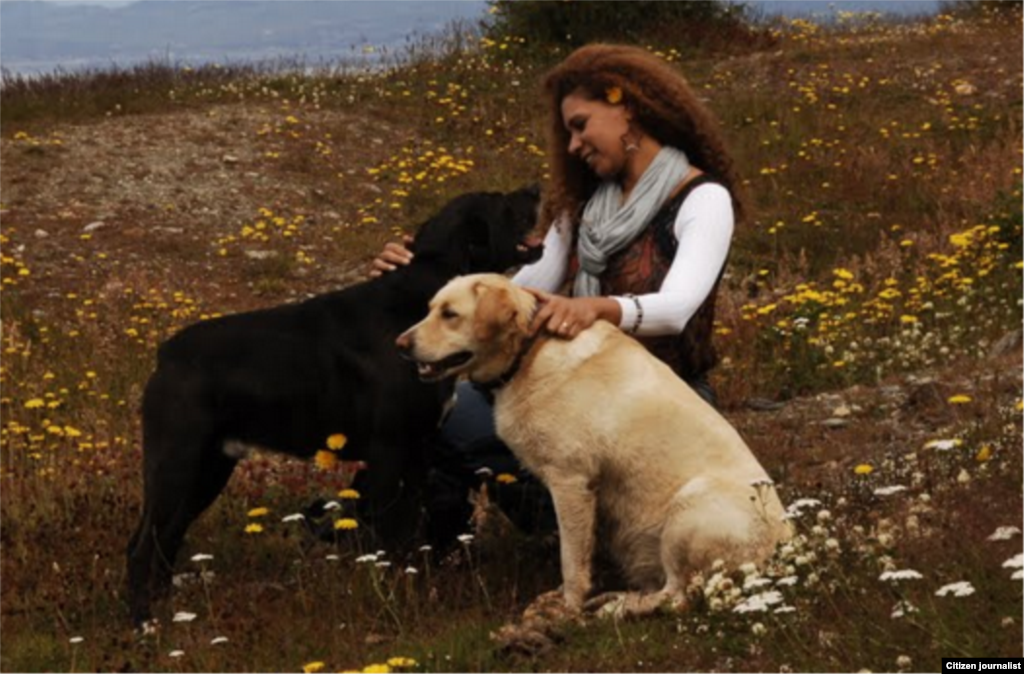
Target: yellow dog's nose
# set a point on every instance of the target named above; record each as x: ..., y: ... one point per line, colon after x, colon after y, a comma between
x: 404, y: 341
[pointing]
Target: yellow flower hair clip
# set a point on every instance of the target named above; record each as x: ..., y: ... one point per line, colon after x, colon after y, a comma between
x: 613, y: 95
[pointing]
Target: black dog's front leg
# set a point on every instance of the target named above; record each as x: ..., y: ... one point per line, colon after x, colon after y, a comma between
x: 391, y: 494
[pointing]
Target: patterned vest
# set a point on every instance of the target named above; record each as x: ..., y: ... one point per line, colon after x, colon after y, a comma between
x: 641, y: 267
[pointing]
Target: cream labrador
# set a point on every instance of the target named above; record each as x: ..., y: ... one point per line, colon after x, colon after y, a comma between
x: 628, y: 451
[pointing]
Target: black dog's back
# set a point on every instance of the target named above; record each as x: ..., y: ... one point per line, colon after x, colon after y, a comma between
x: 287, y: 377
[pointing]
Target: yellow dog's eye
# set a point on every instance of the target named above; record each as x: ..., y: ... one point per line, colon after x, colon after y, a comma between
x: 448, y: 314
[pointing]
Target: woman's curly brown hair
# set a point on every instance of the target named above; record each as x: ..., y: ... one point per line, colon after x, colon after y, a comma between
x: 662, y: 103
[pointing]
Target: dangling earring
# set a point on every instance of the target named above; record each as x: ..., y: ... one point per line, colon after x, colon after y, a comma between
x: 630, y: 144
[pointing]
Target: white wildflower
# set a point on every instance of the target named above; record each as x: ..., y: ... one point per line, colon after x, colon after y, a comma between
x: 365, y: 559
x: 295, y: 517
x: 332, y: 505
x: 1004, y: 533
x: 943, y: 445
x: 901, y: 574
x: 903, y: 661
x: 76, y: 640
x: 465, y: 539
x: 755, y: 582
x: 218, y: 640
x: 411, y: 570
x: 184, y: 617
x: 1015, y: 562
x: 759, y: 602
x: 758, y: 629
x: 903, y: 608
x: 961, y: 589
x: 176, y: 654
x: 890, y: 490
x: 201, y: 557
x: 787, y: 581
x: 797, y: 507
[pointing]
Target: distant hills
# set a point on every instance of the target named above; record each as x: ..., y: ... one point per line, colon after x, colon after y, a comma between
x: 40, y: 36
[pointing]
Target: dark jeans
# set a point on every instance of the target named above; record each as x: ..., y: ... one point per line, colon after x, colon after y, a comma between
x: 468, y: 452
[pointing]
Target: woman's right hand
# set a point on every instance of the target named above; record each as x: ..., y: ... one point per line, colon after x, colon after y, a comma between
x: 394, y: 255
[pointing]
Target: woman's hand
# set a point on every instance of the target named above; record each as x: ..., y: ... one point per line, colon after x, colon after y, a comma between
x: 567, y: 317
x: 394, y: 255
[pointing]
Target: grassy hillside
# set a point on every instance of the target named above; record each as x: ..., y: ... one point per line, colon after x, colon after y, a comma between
x: 870, y: 322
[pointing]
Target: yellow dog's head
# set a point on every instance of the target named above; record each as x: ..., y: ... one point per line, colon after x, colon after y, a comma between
x: 476, y: 327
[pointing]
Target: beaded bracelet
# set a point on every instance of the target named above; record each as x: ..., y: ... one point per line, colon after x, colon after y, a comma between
x: 639, y: 314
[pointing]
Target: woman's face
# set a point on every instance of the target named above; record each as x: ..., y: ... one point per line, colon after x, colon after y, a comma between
x: 595, y: 131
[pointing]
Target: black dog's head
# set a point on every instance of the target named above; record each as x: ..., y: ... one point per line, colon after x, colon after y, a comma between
x: 483, y: 231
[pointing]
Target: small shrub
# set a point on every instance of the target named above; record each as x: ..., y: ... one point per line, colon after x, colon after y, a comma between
x: 707, y: 25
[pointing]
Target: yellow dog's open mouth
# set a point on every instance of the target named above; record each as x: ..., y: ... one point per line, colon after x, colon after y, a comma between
x: 440, y: 368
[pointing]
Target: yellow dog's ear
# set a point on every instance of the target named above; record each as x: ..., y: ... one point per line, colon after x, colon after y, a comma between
x: 496, y: 312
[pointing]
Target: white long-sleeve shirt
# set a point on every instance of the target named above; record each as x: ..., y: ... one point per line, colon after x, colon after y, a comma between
x: 703, y: 228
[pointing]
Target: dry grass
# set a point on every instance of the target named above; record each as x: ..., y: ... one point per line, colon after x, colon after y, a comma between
x: 879, y: 272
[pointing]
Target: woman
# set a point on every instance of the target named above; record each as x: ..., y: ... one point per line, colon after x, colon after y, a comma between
x: 640, y: 211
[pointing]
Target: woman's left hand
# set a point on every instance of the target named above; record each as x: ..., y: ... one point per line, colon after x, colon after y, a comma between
x: 569, y: 316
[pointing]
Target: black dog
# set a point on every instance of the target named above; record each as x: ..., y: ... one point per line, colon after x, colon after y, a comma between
x: 288, y: 377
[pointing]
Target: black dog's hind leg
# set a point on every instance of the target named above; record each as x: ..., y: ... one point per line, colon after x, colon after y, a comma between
x: 185, y: 470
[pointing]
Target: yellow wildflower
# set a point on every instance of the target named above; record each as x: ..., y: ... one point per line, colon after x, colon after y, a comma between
x: 336, y: 442
x: 325, y: 460
x: 254, y: 529
x: 346, y: 523
x: 506, y: 478
x: 959, y: 399
x: 34, y: 403
x: 376, y: 669
x: 984, y: 454
x: 401, y: 662
x: 258, y: 512
x: 348, y: 493
x: 313, y: 667
x: 864, y: 469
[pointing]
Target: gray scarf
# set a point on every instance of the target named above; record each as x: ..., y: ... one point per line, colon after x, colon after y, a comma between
x: 608, y: 225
